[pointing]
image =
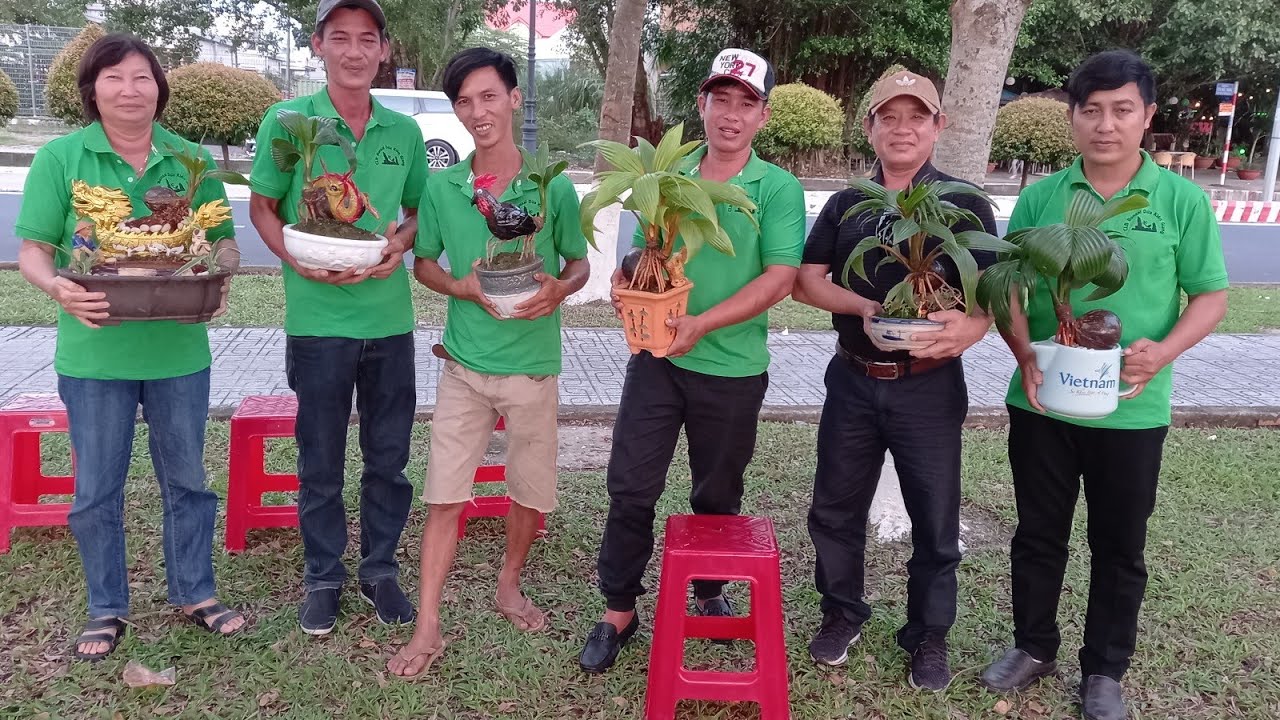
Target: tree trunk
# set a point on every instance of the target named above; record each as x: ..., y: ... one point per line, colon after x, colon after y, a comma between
x: 620, y: 75
x: 983, y: 33
x: 226, y: 156
x: 643, y: 121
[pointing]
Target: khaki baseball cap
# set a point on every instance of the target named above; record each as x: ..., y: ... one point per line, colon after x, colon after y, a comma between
x: 905, y: 83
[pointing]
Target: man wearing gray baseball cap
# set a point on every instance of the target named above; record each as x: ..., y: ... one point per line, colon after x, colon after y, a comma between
x: 349, y: 332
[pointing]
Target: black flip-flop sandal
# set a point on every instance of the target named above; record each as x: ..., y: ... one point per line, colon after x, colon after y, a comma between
x: 224, y: 615
x: 98, y: 630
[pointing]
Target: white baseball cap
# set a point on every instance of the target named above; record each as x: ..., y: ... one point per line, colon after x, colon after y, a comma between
x: 754, y: 72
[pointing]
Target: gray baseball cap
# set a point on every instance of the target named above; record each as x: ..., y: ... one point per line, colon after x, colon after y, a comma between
x: 327, y: 7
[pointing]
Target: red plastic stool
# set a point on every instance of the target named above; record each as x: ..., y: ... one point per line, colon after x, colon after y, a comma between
x: 722, y: 547
x: 22, y: 481
x: 491, y: 505
x: 259, y: 417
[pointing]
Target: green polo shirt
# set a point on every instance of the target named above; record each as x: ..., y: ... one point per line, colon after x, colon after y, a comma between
x: 741, y: 350
x: 148, y: 350
x: 391, y: 167
x: 449, y: 223
x: 1172, y: 246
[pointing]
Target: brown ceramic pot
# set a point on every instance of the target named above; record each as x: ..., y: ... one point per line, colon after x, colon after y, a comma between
x: 645, y: 315
x: 1248, y: 174
x: 187, y: 299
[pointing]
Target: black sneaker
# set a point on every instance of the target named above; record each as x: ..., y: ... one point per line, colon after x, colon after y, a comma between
x: 319, y: 612
x: 388, y: 601
x: 836, y: 635
x: 929, y: 667
x: 715, y: 607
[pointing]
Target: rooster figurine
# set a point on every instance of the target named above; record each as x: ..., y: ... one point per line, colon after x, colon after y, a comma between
x: 335, y: 195
x: 505, y: 221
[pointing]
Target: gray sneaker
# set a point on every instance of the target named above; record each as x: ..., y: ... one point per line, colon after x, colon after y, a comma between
x: 836, y: 635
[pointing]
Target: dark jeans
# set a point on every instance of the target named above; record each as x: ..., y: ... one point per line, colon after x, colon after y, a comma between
x: 324, y: 371
x: 101, y: 415
x: 1120, y: 469
x: 719, y: 415
x: 918, y: 419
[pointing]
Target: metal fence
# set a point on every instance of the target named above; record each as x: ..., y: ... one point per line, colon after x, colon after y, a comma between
x: 26, y: 52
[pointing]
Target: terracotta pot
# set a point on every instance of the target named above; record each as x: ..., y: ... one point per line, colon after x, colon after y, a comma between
x: 645, y: 315
x: 509, y: 287
x: 1248, y: 174
x: 1234, y: 162
x: 991, y: 167
x: 187, y: 299
x: 1204, y: 162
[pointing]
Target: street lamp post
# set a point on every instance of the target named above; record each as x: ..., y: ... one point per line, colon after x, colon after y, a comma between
x: 530, y: 137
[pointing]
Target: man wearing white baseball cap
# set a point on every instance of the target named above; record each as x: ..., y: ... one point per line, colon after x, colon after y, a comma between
x: 910, y: 404
x: 714, y: 377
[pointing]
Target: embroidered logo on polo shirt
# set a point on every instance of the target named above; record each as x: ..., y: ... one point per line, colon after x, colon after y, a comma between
x: 1146, y: 221
x: 389, y: 155
x: 176, y: 182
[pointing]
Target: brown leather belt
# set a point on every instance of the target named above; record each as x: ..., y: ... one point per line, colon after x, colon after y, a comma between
x: 890, y: 370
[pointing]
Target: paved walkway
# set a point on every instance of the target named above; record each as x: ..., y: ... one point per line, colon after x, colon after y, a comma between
x: 1225, y: 372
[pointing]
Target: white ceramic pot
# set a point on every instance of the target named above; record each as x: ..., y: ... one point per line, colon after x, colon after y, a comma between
x: 1079, y: 382
x: 320, y: 252
x: 506, y: 304
x: 895, y: 333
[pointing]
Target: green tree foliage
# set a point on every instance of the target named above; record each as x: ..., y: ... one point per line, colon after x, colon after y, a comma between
x: 58, y: 13
x: 804, y: 118
x: 63, y: 94
x: 569, y: 110
x: 858, y: 139
x: 8, y: 98
x: 172, y: 28
x: 1034, y: 130
x: 210, y: 102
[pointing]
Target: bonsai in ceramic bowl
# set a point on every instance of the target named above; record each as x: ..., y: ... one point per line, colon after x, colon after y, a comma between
x: 1081, y: 363
x: 507, y: 275
x: 157, y: 266
x: 671, y: 210
x: 1248, y: 171
x: 325, y: 236
x: 908, y: 219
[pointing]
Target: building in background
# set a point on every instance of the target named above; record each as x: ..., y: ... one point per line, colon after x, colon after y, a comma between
x: 550, y: 46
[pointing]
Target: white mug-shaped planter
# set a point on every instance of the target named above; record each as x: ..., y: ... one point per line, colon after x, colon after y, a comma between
x: 1079, y: 382
x: 321, y: 252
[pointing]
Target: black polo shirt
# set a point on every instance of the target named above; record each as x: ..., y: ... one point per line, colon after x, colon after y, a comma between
x: 831, y: 242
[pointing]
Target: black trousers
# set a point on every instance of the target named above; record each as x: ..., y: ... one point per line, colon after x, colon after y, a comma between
x: 323, y: 372
x: 918, y: 419
x: 1120, y: 469
x: 719, y: 415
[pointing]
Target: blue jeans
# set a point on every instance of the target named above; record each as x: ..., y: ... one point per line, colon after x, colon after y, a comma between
x: 101, y: 415
x: 323, y: 372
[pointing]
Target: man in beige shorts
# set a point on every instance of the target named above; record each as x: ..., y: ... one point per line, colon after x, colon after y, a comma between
x: 494, y: 367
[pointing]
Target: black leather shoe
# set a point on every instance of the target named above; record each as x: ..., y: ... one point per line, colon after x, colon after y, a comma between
x: 715, y: 607
x: 1015, y: 670
x: 1102, y: 699
x: 603, y: 643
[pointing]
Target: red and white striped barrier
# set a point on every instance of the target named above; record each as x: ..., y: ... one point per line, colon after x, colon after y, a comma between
x: 1247, y: 211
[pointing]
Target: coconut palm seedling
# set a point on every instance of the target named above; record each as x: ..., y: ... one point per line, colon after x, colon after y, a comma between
x: 1066, y: 256
x: 668, y: 205
x: 507, y: 221
x: 330, y: 201
x: 908, y: 218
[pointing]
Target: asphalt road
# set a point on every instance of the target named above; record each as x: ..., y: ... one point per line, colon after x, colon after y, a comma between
x: 1252, y: 251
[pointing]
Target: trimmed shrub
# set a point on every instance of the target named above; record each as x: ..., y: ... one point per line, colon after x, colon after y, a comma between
x: 858, y: 139
x: 1033, y: 130
x: 210, y: 102
x: 8, y: 98
x: 804, y: 119
x: 62, y: 95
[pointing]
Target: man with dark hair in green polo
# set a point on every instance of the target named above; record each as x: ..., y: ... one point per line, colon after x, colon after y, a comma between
x: 1172, y: 247
x: 495, y: 367
x: 349, y: 331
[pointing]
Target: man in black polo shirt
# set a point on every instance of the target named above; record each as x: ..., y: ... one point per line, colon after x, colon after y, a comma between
x: 911, y: 404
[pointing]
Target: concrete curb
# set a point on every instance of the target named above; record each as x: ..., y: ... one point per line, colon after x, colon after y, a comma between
x: 988, y: 417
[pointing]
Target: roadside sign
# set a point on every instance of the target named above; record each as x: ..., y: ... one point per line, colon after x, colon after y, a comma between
x: 405, y: 78
x: 1226, y: 90
x: 1225, y: 109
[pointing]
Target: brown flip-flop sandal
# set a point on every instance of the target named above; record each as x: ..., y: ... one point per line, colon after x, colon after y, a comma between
x: 527, y: 613
x: 99, y: 630
x: 432, y: 655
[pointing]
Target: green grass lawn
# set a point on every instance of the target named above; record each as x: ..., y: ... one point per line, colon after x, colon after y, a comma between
x: 1209, y: 646
x: 258, y: 301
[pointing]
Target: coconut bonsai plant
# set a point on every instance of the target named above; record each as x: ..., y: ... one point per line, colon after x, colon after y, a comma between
x: 157, y: 266
x: 325, y: 236
x: 1081, y: 362
x: 908, y: 219
x: 670, y: 209
x: 507, y: 275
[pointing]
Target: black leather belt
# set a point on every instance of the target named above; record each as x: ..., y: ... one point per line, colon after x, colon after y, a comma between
x: 890, y: 370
